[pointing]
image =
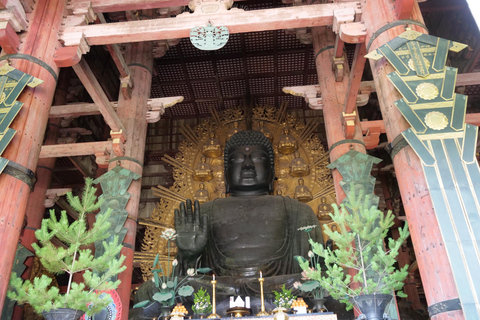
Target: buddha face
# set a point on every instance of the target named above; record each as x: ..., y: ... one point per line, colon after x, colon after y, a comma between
x: 249, y: 170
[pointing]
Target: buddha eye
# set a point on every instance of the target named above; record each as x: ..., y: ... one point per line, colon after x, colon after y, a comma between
x: 259, y: 156
x: 236, y: 157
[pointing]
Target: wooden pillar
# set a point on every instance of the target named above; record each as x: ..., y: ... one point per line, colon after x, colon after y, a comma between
x: 44, y: 172
x: 333, y: 97
x: 410, y: 287
x: 40, y: 42
x: 132, y: 113
x: 427, y: 241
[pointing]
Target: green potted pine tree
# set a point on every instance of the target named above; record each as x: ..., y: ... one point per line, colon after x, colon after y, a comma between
x: 202, y: 304
x: 361, y: 247
x: 75, y: 257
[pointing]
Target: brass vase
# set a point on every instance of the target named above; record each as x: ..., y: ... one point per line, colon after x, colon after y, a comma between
x: 280, y: 313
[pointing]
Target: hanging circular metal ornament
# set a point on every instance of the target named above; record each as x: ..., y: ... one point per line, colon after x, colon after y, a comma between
x: 209, y: 37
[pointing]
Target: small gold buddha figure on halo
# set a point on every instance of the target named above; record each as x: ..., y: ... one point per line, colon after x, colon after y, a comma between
x: 219, y: 179
x: 212, y: 147
x: 202, y: 194
x: 330, y: 243
x: 203, y: 172
x: 298, y: 166
x: 324, y: 209
x: 266, y: 132
x: 287, y: 144
x: 302, y: 193
x: 233, y: 130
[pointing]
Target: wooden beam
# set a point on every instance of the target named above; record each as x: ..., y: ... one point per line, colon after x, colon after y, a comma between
x: 235, y: 20
x: 75, y: 149
x: 90, y: 83
x: 355, y: 78
x: 125, y: 5
x: 468, y: 79
x: 116, y: 54
x: 85, y: 109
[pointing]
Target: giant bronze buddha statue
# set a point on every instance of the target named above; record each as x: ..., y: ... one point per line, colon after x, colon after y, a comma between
x: 250, y: 231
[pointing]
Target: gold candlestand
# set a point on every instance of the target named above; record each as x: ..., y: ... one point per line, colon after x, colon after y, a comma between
x: 262, y: 313
x: 214, y: 314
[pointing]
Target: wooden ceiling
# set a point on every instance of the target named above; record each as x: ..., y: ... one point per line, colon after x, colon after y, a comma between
x: 258, y: 64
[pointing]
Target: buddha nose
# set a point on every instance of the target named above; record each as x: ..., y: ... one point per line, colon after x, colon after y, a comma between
x: 248, y: 163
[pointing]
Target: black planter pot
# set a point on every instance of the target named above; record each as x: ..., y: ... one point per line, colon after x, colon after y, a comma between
x: 63, y: 314
x: 165, y: 311
x: 318, y: 304
x: 372, y: 306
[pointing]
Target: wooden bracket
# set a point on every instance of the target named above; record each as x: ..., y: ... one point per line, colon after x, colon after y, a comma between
x: 371, y: 131
x: 354, y: 32
x: 349, y: 124
x: 310, y: 93
x: 118, y: 141
x: 153, y: 116
x: 168, y: 12
x: 126, y: 85
x: 15, y: 15
x: 67, y: 56
x: 72, y: 39
x: 52, y: 195
x: 71, y: 135
x: 201, y: 7
x: 83, y: 9
x: 156, y: 107
x: 102, y: 158
x: 341, y: 16
x: 371, y: 139
x: 9, y: 40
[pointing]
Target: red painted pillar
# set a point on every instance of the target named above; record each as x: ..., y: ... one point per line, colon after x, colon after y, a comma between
x: 133, y: 114
x: 435, y: 270
x: 40, y: 42
x: 333, y: 97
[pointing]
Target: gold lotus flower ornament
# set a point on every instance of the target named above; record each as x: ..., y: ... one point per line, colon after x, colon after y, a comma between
x: 436, y: 120
x: 411, y: 65
x: 427, y: 91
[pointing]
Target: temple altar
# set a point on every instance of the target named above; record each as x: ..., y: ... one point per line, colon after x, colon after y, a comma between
x: 308, y: 316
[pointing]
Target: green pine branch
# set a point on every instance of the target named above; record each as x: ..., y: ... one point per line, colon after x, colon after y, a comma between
x: 77, y: 257
x: 360, y: 247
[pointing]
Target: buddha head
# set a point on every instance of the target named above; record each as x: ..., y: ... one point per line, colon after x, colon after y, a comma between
x: 249, y: 164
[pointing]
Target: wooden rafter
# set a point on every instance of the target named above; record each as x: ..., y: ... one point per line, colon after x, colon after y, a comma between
x: 237, y: 21
x: 355, y: 78
x: 75, y: 149
x: 95, y: 91
x: 125, y: 5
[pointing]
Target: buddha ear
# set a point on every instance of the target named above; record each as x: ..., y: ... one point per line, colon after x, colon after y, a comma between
x: 270, y: 185
x: 227, y: 188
